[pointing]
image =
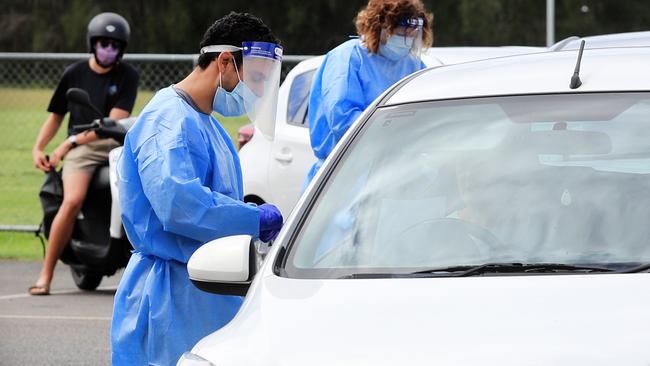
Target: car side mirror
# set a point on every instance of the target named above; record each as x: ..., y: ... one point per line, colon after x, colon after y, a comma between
x: 224, y: 266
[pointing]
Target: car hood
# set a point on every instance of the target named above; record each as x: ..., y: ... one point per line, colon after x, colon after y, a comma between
x: 507, y: 320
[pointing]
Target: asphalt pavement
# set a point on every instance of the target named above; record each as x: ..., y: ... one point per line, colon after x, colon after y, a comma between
x: 69, y: 327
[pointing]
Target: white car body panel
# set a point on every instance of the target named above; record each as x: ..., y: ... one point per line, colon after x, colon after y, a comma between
x: 519, y: 320
x: 456, y: 55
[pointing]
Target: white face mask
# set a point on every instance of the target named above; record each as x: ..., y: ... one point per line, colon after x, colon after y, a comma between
x: 396, y: 47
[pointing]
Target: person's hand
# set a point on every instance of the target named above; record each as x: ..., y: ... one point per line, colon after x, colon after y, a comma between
x: 268, y: 235
x: 40, y: 160
x: 59, y: 153
x: 270, y: 222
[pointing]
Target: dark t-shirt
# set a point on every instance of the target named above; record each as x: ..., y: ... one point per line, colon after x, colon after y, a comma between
x: 116, y: 88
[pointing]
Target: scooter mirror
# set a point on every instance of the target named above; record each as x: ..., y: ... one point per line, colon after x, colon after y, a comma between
x: 80, y: 96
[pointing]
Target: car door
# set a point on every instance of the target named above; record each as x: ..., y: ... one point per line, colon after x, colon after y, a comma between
x: 291, y: 154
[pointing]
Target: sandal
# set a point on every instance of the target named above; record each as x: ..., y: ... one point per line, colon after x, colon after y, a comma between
x: 39, y: 290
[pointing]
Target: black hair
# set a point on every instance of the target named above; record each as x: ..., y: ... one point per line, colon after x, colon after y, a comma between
x: 233, y: 29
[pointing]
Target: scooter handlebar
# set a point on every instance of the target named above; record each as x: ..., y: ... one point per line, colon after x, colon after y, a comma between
x: 107, y: 128
x: 96, y: 124
x: 89, y: 126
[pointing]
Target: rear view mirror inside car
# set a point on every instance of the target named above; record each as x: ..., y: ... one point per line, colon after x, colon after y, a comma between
x: 568, y: 108
x: 565, y: 142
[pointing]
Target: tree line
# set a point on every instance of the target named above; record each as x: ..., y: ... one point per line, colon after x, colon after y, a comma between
x: 306, y: 26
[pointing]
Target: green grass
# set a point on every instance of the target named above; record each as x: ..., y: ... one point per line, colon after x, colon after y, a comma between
x: 22, y: 246
x: 22, y: 112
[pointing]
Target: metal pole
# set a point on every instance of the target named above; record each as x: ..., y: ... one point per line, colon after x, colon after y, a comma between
x: 21, y: 228
x: 550, y: 22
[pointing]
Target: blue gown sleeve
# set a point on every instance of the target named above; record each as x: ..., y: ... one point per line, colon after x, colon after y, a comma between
x: 184, y: 206
x: 339, y: 99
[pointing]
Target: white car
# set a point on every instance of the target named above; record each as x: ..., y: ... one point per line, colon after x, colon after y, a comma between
x: 507, y: 225
x: 275, y: 170
x: 629, y: 39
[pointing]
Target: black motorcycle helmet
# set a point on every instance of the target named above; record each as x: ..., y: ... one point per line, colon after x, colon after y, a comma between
x: 108, y: 25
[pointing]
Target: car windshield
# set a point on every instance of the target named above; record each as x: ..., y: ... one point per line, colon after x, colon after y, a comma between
x: 558, y: 178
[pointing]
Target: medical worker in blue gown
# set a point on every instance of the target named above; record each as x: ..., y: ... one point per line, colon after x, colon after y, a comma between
x: 180, y: 187
x: 352, y: 75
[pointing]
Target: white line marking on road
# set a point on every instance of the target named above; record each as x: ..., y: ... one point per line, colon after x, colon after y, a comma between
x: 18, y: 296
x: 62, y: 292
x: 54, y: 317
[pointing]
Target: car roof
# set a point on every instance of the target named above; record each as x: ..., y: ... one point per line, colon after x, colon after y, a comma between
x: 455, y: 55
x: 630, y: 39
x: 436, y: 56
x: 608, y: 69
x: 311, y: 63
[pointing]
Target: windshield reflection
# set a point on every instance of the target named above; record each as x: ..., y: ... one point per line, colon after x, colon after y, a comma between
x: 528, y: 179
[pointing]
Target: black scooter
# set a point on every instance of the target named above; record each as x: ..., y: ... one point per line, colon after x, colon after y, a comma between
x: 99, y: 246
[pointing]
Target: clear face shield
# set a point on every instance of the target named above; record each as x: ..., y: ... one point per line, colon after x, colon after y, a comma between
x: 260, y: 73
x: 406, y: 35
x: 262, y: 63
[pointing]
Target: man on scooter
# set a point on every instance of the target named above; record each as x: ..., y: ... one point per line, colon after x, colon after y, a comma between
x: 112, y: 86
x: 181, y: 186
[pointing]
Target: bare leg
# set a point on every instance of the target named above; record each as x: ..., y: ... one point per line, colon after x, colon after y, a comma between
x: 75, y: 186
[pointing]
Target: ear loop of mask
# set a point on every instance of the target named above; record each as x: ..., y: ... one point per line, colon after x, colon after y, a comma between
x: 236, y: 70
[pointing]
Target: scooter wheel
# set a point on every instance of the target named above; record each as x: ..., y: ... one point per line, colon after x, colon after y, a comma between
x: 86, y: 280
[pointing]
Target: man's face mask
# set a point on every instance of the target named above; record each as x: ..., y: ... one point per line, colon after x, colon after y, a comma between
x: 106, y: 52
x: 236, y: 102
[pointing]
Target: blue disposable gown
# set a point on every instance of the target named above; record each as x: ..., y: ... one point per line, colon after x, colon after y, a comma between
x: 348, y: 80
x: 180, y: 186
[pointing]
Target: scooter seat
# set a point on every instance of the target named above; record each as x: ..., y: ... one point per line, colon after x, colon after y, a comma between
x: 100, y: 179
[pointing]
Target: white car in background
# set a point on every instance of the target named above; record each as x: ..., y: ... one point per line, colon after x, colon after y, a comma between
x: 500, y: 218
x: 274, y: 170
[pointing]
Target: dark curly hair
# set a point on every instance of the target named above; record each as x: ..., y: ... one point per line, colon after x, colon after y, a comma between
x: 387, y: 14
x: 233, y: 29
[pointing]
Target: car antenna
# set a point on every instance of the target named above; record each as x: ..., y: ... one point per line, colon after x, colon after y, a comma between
x: 575, y: 79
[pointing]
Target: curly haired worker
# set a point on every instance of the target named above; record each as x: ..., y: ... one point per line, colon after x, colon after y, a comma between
x: 352, y: 75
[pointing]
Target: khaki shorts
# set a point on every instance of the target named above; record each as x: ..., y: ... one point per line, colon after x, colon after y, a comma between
x: 88, y: 156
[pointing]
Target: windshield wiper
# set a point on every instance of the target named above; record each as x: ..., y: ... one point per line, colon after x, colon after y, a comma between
x: 638, y: 269
x: 465, y: 271
x: 371, y: 275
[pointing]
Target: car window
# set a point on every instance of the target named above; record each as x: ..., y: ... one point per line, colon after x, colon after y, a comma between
x: 299, y: 99
x: 525, y: 179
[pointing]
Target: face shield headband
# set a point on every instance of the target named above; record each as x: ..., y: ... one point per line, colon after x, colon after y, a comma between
x: 415, y: 23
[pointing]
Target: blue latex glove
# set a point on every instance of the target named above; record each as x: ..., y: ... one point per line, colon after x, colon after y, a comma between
x: 268, y: 235
x: 270, y: 222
